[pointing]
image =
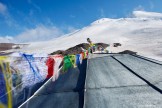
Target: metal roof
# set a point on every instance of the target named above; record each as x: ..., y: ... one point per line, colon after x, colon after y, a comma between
x: 105, y: 80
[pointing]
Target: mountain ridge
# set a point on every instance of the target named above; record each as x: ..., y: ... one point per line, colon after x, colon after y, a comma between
x: 139, y: 34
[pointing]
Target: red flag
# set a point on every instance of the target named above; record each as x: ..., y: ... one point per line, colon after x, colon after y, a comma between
x: 50, y: 63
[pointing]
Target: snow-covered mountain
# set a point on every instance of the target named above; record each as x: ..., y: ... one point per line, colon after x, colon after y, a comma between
x: 141, y: 33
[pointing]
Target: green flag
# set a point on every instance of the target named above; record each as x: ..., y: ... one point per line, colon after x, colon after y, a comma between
x: 73, y: 60
x: 67, y: 63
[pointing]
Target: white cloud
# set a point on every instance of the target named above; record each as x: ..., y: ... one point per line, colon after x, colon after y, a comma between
x: 139, y: 8
x: 144, y: 14
x: 151, y: 5
x: 3, y: 9
x: 102, y: 13
x: 34, y: 5
x: 71, y: 29
x: 8, y: 19
x: 40, y: 33
x: 72, y: 16
x: 6, y: 39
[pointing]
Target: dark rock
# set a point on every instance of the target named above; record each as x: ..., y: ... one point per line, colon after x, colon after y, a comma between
x: 77, y: 49
x: 116, y: 44
x: 5, y: 46
x: 9, y: 46
x: 128, y: 52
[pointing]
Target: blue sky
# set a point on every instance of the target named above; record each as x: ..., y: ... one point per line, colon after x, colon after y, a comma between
x: 58, y: 17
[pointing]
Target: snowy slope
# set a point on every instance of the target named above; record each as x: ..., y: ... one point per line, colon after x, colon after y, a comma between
x: 141, y: 33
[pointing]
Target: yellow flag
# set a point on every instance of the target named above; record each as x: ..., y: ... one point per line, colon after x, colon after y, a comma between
x: 5, y: 68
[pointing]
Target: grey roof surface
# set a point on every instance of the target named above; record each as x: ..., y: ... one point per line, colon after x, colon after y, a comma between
x: 112, y: 82
x: 105, y: 81
x: 106, y: 72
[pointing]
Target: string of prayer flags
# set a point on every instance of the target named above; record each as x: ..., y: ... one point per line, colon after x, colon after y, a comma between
x: 73, y: 60
x: 80, y: 58
x: 77, y: 59
x: 50, y: 63
x: 67, y: 63
x: 32, y: 70
x: 25, y: 70
x: 33, y: 67
x: 5, y: 84
x: 82, y: 54
x: 58, y: 60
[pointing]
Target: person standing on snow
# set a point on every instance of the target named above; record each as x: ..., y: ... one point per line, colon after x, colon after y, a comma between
x: 91, y: 45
